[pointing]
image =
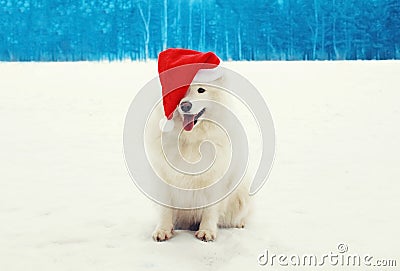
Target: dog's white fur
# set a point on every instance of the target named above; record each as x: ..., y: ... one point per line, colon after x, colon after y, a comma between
x: 231, y: 211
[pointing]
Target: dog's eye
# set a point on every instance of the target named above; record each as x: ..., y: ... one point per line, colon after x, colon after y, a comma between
x: 201, y: 90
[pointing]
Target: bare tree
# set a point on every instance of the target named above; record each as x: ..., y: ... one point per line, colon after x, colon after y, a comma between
x: 236, y: 8
x: 323, y: 31
x: 239, y: 37
x: 316, y: 30
x: 203, y: 27
x: 146, y: 23
x: 334, y: 42
x: 165, y: 30
x: 178, y: 23
x: 190, y: 34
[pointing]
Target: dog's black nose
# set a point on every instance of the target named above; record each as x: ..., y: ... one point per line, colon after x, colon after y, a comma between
x: 186, y: 106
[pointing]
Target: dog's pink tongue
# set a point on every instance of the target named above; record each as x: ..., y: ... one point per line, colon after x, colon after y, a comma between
x: 188, y: 122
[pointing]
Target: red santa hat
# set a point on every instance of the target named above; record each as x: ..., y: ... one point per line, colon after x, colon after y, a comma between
x: 177, y: 69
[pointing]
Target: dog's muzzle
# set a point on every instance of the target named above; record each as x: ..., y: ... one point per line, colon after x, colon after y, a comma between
x: 190, y: 120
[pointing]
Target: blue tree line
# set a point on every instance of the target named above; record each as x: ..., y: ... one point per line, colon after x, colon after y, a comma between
x: 72, y: 30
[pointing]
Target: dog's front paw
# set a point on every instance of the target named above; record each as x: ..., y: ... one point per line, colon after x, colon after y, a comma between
x: 205, y: 235
x: 160, y: 235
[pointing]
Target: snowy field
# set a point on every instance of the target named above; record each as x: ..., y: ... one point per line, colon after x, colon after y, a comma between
x: 68, y: 203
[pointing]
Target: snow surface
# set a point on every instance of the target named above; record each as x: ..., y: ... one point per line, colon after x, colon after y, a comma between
x: 67, y: 202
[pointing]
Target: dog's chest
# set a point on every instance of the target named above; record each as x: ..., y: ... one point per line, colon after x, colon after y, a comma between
x: 201, y: 156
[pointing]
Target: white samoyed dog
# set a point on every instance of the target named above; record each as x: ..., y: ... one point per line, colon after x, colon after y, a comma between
x: 190, y: 120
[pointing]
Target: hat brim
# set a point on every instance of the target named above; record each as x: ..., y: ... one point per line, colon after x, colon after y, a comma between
x: 208, y: 75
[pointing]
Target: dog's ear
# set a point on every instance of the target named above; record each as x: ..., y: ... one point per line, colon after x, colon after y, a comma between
x: 219, y: 82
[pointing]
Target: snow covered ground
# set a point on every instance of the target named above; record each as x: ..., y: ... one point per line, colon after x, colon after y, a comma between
x: 67, y: 202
